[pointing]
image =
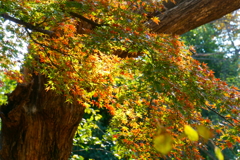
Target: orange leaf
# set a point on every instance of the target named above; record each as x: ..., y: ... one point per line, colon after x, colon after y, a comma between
x: 229, y: 144
x: 155, y: 19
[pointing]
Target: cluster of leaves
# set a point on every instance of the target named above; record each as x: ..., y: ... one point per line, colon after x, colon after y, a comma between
x: 91, y: 140
x: 6, y: 86
x: 155, y: 100
x: 173, y: 98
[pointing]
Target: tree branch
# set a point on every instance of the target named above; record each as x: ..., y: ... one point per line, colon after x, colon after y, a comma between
x: 190, y: 14
x: 207, y: 54
x: 85, y: 19
x: 43, y: 45
x: 224, y: 118
x: 27, y: 25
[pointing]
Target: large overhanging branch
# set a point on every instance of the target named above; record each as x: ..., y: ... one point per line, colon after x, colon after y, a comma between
x: 186, y: 15
x: 191, y: 14
x: 180, y: 19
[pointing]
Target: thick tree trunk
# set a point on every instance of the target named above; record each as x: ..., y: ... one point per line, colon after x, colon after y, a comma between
x: 38, y: 124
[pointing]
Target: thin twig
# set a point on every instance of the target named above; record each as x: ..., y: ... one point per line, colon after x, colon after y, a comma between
x: 217, y: 113
x: 99, y: 149
x: 43, y: 45
x: 220, y: 116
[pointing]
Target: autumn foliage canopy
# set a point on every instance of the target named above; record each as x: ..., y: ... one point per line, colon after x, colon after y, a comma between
x: 101, y: 53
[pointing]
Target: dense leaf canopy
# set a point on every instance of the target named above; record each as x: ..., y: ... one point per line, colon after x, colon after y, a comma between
x: 100, y: 53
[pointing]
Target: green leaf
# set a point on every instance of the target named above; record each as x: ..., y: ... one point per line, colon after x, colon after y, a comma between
x: 218, y: 153
x: 74, y: 4
x: 191, y: 133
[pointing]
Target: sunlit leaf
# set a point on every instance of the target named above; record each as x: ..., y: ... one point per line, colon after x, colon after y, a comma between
x: 204, y: 132
x: 156, y: 20
x: 218, y: 153
x: 191, y: 133
x: 163, y: 143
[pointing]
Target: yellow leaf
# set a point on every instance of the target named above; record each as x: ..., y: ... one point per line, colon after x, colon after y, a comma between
x: 155, y: 19
x: 218, y: 153
x: 228, y: 116
x: 47, y: 89
x: 191, y: 133
x: 204, y: 132
x: 163, y: 143
x: 124, y: 128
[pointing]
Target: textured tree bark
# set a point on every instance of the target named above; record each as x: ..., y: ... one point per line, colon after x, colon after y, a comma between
x: 190, y: 14
x: 38, y: 124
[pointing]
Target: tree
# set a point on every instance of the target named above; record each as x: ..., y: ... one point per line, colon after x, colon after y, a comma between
x: 83, y: 53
